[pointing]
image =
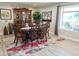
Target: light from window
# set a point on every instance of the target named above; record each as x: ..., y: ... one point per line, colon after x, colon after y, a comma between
x: 70, y: 20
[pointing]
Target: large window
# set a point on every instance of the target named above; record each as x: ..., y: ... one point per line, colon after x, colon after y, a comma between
x: 70, y: 19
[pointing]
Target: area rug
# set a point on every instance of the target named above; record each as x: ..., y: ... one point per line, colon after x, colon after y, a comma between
x: 24, y: 50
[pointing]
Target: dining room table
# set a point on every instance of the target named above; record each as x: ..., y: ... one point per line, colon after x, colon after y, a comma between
x: 25, y: 28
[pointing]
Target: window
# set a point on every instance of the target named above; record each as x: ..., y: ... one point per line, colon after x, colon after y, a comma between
x: 70, y: 19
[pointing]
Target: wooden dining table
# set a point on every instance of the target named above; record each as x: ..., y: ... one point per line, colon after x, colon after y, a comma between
x: 25, y: 28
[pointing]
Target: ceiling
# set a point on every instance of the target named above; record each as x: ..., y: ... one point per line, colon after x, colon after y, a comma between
x: 33, y: 4
x: 44, y: 4
x: 39, y: 4
x: 29, y: 4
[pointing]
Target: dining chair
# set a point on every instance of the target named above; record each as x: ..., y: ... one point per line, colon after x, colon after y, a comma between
x: 47, y: 25
x: 18, y: 34
x: 18, y: 37
x: 43, y: 35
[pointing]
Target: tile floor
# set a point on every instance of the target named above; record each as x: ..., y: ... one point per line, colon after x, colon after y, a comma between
x: 57, y: 48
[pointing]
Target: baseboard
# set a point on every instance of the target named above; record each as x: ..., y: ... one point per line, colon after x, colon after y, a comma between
x: 69, y: 38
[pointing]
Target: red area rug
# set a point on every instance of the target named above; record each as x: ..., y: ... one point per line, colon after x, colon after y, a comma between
x: 26, y: 49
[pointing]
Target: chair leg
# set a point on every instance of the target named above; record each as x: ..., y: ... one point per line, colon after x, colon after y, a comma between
x: 14, y: 40
x: 48, y: 34
x: 22, y: 40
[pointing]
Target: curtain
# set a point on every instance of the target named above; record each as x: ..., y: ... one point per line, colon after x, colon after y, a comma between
x: 56, y: 23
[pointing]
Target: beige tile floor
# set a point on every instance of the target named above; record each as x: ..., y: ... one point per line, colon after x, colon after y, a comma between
x: 4, y: 41
x: 69, y: 46
x: 58, y: 48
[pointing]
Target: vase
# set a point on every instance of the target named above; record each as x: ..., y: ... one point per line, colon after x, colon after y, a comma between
x: 5, y: 31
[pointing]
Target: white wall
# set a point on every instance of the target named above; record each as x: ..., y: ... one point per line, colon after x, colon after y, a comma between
x: 53, y: 9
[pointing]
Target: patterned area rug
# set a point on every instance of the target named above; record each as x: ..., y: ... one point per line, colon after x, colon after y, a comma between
x: 24, y: 50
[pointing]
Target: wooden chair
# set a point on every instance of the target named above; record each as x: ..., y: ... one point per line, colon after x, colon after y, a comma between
x: 17, y: 31
x: 43, y: 34
x: 47, y: 25
x: 18, y: 36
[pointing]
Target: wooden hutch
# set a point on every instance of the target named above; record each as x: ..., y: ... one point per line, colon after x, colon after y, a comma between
x: 21, y: 16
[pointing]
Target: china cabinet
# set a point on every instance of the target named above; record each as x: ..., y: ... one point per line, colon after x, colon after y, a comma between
x: 21, y: 16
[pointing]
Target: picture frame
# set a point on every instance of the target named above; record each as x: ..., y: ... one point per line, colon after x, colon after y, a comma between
x: 5, y: 14
x: 47, y: 16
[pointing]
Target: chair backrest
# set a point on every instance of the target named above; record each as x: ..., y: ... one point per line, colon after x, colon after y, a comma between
x: 33, y: 33
x: 18, y: 24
